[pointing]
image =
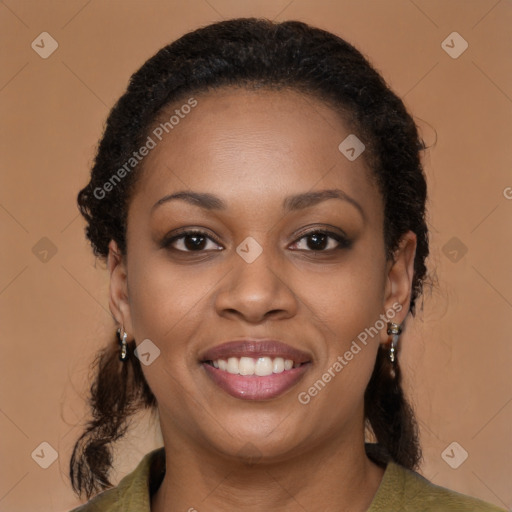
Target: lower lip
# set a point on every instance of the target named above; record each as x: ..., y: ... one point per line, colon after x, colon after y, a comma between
x: 252, y: 387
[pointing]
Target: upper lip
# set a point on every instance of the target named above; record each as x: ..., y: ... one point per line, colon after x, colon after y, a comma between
x: 255, y: 348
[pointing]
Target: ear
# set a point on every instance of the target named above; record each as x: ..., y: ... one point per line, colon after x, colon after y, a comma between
x: 400, y: 273
x: 118, y: 299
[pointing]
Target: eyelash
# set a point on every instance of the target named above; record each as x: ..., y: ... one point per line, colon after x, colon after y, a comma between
x: 343, y: 242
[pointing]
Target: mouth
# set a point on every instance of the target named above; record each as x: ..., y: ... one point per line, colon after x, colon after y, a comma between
x: 255, y: 369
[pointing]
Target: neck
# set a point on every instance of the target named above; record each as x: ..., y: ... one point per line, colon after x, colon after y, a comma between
x: 329, y: 478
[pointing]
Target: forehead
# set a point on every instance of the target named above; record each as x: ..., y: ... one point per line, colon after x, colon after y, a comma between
x: 253, y: 144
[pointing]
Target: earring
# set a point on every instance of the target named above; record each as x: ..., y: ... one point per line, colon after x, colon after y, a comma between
x: 123, y: 355
x: 394, y: 330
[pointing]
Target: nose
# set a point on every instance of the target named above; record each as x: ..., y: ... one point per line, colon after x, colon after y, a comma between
x: 256, y: 291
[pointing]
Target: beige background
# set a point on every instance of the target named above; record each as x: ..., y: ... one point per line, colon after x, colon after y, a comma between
x: 54, y: 309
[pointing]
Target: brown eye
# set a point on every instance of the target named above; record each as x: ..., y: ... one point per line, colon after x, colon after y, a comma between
x: 322, y: 241
x: 191, y: 241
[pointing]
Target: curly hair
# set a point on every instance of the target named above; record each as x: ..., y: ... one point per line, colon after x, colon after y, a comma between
x: 254, y: 52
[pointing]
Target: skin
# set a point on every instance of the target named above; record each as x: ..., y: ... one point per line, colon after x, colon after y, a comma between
x: 252, y: 149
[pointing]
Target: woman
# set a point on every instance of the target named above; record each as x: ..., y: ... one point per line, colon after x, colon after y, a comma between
x: 260, y: 202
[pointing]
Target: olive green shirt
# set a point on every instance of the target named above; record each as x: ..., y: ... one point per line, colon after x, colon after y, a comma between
x: 400, y: 490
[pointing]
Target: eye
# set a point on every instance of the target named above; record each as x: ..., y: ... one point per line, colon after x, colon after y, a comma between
x: 322, y: 241
x: 316, y: 241
x: 190, y: 241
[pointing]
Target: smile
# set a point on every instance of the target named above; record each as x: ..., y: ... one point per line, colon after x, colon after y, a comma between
x: 255, y: 369
x: 261, y: 366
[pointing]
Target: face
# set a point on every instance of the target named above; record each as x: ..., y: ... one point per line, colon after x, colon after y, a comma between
x: 272, y: 256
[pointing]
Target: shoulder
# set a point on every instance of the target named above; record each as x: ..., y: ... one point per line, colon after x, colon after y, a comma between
x: 102, y: 502
x: 402, y: 489
x: 132, y: 494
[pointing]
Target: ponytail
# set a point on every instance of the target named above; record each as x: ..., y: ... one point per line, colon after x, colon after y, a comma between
x: 389, y: 415
x: 118, y: 391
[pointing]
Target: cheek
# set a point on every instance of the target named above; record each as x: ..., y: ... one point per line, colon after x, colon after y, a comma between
x: 165, y: 300
x: 165, y: 306
x: 348, y: 299
x: 348, y: 311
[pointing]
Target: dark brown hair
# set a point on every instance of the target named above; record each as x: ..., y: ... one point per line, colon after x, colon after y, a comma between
x: 254, y: 52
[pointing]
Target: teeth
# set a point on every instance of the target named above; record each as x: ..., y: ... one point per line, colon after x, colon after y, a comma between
x: 278, y: 365
x: 233, y: 366
x: 261, y: 367
x: 246, y: 366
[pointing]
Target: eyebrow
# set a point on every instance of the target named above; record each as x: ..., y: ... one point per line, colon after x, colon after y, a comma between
x: 209, y: 201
